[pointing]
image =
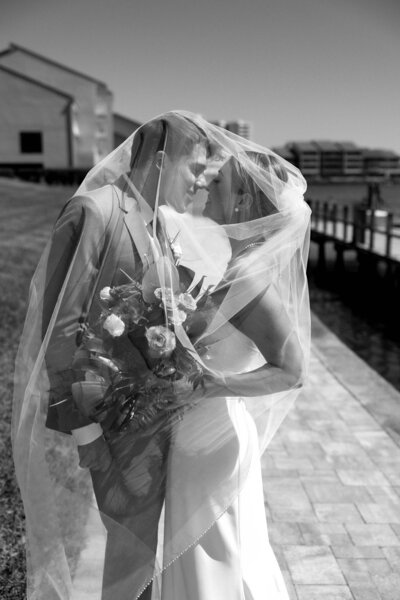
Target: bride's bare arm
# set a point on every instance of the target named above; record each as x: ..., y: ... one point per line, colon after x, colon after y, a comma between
x: 266, y: 322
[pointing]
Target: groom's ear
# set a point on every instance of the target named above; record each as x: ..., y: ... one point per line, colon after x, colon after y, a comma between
x: 160, y: 159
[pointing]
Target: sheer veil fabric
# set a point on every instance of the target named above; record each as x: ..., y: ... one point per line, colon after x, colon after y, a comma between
x: 215, y: 229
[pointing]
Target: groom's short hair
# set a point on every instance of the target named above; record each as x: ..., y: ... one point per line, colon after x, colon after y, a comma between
x: 173, y: 134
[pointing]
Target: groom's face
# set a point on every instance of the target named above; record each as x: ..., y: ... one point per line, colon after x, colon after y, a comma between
x: 182, y: 177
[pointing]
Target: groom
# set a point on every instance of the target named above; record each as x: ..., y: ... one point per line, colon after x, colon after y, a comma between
x: 96, y: 241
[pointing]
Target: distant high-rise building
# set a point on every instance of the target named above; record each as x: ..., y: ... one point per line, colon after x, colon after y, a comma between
x: 242, y: 128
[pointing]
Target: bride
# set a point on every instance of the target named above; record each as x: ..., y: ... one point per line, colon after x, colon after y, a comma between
x: 166, y: 338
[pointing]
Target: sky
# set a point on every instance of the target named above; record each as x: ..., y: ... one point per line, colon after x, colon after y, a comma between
x: 296, y: 69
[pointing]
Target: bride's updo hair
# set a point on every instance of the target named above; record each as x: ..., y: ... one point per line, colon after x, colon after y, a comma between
x: 268, y: 164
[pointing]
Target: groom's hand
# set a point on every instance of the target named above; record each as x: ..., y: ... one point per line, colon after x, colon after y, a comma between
x: 95, y: 455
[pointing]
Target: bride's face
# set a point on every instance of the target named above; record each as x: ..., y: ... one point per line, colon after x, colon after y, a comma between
x: 225, y: 191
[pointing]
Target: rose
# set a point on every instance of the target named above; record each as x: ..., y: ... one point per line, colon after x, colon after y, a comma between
x: 176, y: 317
x: 165, y: 294
x: 187, y: 302
x: 105, y: 294
x: 114, y: 325
x: 161, y: 341
x: 176, y: 251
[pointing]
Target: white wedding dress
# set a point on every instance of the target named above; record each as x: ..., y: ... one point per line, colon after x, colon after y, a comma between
x: 233, y: 559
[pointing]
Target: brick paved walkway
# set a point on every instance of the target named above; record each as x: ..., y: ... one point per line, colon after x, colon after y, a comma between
x: 332, y: 481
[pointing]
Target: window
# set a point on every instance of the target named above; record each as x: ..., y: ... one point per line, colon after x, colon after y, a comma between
x: 30, y: 142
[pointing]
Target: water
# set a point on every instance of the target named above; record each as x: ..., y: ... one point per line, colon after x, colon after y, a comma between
x: 362, y: 312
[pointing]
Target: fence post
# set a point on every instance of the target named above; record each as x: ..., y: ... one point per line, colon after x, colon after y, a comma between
x: 325, y: 216
x: 334, y: 219
x: 389, y: 225
x: 345, y: 222
x: 317, y: 212
x: 372, y: 230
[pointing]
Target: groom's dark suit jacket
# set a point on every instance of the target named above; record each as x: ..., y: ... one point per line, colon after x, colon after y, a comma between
x: 86, y: 227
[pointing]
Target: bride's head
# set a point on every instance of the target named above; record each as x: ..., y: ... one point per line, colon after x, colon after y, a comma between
x: 235, y: 196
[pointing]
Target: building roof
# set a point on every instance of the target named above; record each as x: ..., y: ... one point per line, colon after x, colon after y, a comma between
x: 48, y: 88
x: 284, y: 152
x: 17, y: 48
x: 350, y: 147
x: 327, y: 146
x: 303, y: 146
x: 126, y: 120
x: 379, y: 153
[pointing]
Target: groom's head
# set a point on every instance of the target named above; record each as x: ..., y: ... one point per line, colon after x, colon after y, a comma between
x: 169, y: 155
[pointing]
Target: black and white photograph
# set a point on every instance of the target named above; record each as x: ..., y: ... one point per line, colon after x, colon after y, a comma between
x: 200, y: 292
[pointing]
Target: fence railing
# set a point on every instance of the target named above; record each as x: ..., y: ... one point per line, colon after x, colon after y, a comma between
x: 377, y: 231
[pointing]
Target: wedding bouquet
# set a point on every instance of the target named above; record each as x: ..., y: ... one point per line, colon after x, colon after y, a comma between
x: 161, y: 373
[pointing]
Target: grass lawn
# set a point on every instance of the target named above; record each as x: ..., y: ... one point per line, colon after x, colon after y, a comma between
x: 27, y: 213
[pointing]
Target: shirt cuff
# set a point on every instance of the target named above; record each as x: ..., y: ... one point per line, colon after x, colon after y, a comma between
x: 86, y: 435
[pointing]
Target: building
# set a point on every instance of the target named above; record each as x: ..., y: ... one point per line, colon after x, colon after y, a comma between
x: 307, y: 157
x: 123, y: 128
x: 381, y: 163
x: 331, y: 158
x: 353, y: 159
x: 286, y: 153
x: 87, y: 121
x: 35, y: 123
x: 242, y: 128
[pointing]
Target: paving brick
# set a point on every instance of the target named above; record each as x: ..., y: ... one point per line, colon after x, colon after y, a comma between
x: 351, y: 551
x: 313, y: 565
x: 323, y: 592
x: 377, y: 443
x: 380, y: 513
x: 274, y: 473
x: 357, y: 477
x: 364, y: 592
x: 327, y: 534
x: 278, y: 495
x: 382, y: 493
x: 371, y: 534
x: 393, y: 557
x: 388, y: 585
x: 290, y: 586
x: 337, y: 513
x: 293, y: 515
x: 335, y: 492
x: 303, y: 464
x: 354, y: 571
x: 396, y: 528
x: 354, y: 568
x: 285, y: 533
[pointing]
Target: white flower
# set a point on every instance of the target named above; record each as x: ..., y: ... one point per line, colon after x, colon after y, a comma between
x: 165, y: 294
x: 114, y: 325
x: 187, y: 301
x: 176, y: 317
x: 161, y: 341
x: 176, y: 251
x: 105, y: 294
